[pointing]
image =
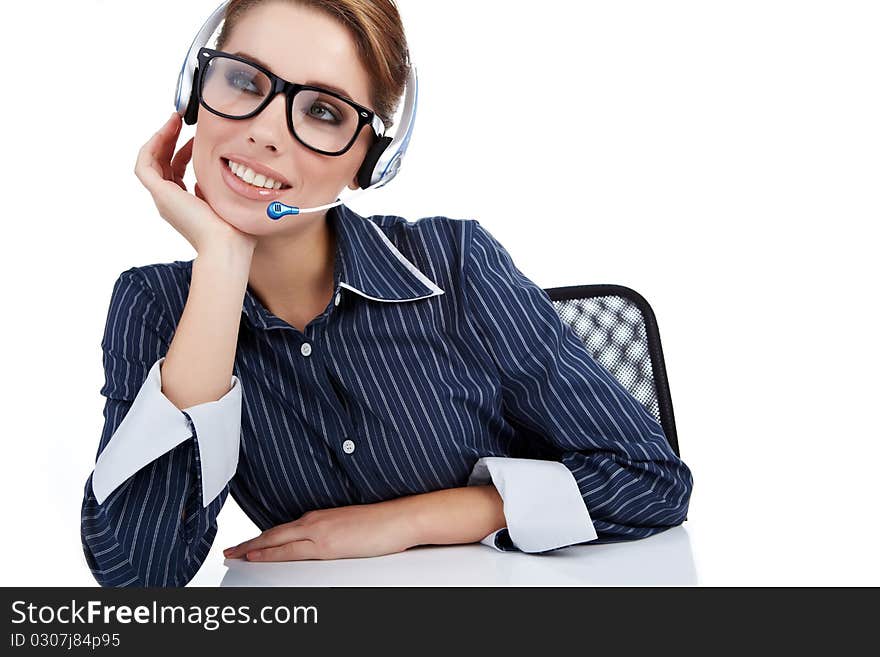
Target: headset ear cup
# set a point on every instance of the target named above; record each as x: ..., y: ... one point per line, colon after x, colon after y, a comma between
x: 365, y: 173
x: 192, y: 109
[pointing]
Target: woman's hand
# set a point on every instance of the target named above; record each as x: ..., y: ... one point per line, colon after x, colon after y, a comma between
x: 361, y: 530
x: 189, y: 214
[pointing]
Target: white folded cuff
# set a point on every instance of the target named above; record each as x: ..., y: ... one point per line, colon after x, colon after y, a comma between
x: 218, y: 432
x: 543, y: 505
x: 153, y: 425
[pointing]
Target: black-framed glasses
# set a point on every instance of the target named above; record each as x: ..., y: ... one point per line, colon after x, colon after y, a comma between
x: 321, y: 120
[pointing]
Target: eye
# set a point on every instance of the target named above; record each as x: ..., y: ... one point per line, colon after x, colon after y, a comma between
x: 324, y: 110
x: 242, y: 81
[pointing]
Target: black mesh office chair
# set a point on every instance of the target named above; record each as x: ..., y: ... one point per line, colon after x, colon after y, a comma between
x: 619, y: 330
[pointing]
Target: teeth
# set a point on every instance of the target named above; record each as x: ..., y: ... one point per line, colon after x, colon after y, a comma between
x: 250, y: 176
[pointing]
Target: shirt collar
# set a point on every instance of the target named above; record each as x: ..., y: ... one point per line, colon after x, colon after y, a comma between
x: 366, y: 263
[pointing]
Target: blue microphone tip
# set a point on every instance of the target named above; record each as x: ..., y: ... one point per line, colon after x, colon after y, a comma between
x: 276, y: 210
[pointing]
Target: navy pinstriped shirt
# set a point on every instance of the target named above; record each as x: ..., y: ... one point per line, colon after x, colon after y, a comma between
x: 436, y: 351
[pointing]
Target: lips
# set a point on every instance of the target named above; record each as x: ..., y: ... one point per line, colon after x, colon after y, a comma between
x: 247, y: 190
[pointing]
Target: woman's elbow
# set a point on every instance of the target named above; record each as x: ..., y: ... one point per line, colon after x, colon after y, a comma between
x: 678, y: 493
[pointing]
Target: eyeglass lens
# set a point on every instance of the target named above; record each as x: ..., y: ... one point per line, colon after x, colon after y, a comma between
x: 235, y: 88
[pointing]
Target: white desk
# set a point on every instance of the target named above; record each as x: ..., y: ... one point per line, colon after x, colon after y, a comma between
x: 663, y: 559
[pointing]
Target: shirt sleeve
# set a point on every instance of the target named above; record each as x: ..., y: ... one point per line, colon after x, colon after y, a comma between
x: 150, y: 506
x: 614, y: 453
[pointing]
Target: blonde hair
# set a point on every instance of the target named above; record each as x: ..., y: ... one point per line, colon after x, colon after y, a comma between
x: 378, y: 34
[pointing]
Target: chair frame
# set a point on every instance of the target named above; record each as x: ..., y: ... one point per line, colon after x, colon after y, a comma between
x: 655, y: 349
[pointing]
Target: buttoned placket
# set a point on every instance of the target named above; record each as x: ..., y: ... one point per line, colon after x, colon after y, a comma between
x: 309, y: 343
x: 343, y: 440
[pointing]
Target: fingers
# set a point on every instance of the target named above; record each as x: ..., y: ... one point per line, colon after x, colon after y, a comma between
x: 178, y: 164
x: 153, y: 161
x: 146, y: 168
x: 261, y: 541
x: 268, y: 539
x: 295, y: 551
x: 168, y: 140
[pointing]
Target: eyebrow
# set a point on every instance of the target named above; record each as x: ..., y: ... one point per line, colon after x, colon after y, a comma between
x: 316, y: 83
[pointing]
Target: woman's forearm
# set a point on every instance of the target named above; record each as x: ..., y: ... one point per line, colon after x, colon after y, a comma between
x: 198, y: 365
x: 457, y: 515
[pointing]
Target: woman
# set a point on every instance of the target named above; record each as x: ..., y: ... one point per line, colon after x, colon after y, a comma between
x: 359, y: 385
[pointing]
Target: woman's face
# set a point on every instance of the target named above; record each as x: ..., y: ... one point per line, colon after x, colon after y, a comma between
x: 301, y: 45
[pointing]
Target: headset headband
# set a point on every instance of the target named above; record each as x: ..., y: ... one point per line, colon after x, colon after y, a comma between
x: 385, y: 156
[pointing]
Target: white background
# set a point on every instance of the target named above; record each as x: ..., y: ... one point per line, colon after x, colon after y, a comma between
x: 721, y: 158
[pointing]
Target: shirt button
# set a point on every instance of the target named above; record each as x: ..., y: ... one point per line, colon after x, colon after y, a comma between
x: 348, y: 446
x: 306, y: 349
x: 337, y: 299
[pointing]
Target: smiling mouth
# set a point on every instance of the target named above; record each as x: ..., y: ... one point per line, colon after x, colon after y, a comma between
x: 226, y: 164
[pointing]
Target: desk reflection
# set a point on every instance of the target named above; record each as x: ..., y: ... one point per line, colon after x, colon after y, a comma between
x: 661, y: 560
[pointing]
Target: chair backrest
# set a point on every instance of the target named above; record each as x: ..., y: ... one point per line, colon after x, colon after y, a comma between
x: 618, y: 328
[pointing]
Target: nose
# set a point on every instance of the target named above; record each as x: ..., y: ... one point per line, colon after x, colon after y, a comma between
x: 269, y: 127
